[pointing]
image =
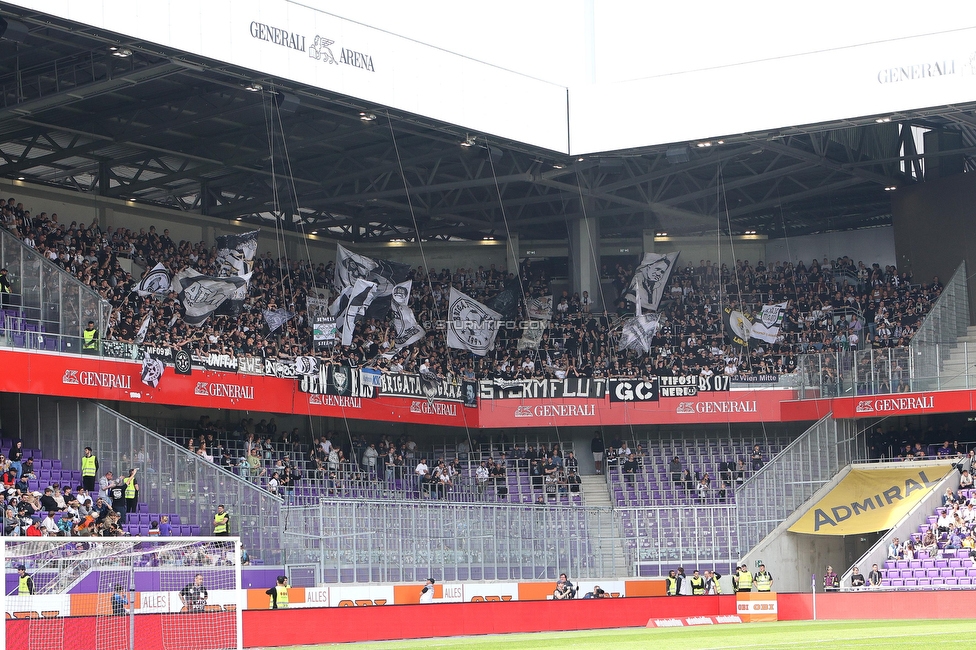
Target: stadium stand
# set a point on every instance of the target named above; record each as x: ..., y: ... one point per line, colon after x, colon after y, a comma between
x: 834, y: 306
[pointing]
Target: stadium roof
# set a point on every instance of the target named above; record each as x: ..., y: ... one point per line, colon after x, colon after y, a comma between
x: 133, y: 120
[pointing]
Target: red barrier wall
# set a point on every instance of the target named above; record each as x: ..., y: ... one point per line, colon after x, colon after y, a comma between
x: 266, y: 628
x: 152, y: 631
x: 339, y: 625
x: 881, y: 604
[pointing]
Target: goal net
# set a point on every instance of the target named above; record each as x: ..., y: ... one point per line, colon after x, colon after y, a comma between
x: 121, y: 593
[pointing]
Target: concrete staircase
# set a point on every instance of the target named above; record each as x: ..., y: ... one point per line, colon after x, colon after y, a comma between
x: 610, y: 555
x: 961, y: 361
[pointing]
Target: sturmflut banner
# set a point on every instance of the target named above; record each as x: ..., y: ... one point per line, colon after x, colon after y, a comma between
x: 870, y: 500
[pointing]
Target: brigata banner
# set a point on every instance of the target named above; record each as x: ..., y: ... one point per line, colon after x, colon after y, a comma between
x: 870, y: 500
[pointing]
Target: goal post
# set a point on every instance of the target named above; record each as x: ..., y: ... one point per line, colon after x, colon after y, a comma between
x: 122, y: 593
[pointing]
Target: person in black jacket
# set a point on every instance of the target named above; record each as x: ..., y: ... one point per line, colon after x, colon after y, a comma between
x: 597, y: 447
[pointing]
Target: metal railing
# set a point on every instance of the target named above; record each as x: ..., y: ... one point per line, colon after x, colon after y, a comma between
x: 770, y: 495
x: 49, y: 308
x: 933, y: 360
x: 380, y: 541
x: 171, y: 480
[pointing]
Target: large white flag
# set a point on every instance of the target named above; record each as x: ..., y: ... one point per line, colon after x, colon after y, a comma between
x: 405, y: 324
x: 156, y: 281
x: 650, y: 279
x: 639, y: 331
x: 766, y: 327
x: 350, y: 307
x: 539, y: 308
x: 384, y: 273
x: 201, y: 295
x: 470, y: 325
x: 235, y: 253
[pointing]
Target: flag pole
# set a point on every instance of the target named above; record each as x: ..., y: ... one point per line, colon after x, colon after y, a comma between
x: 814, y: 595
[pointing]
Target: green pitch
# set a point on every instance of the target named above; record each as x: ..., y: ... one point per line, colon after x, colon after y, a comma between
x: 890, y: 635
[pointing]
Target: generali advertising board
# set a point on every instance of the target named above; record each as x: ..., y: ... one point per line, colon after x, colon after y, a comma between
x: 117, y: 380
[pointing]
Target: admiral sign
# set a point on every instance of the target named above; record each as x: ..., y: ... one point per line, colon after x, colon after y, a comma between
x: 691, y: 385
x: 577, y: 387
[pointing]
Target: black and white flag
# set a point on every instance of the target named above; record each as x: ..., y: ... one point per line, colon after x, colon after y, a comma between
x: 350, y: 307
x: 156, y: 281
x: 152, y: 371
x: 202, y: 295
x: 539, y: 308
x: 650, y: 279
x: 532, y: 332
x: 144, y: 329
x: 638, y: 332
x: 471, y: 326
x: 738, y: 327
x: 276, y: 318
x: 383, y: 273
x: 235, y: 253
x: 307, y: 365
x: 766, y: 327
x: 407, y: 331
x: 317, y: 308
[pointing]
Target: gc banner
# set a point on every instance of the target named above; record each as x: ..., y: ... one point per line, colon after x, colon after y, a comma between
x: 870, y: 500
x: 634, y: 390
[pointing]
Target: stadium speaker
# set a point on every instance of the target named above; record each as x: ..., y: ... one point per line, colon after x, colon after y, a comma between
x: 287, y: 103
x: 11, y: 30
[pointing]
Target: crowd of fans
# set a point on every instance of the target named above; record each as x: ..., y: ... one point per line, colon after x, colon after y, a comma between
x: 833, y: 306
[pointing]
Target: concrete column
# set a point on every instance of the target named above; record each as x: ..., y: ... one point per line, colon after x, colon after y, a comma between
x: 512, y: 252
x: 649, y: 241
x: 584, y: 258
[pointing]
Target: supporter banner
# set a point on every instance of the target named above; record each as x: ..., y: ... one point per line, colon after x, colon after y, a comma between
x: 634, y: 390
x: 416, y: 387
x: 119, y: 350
x: 532, y: 332
x: 738, y: 327
x: 202, y: 295
x: 370, y: 377
x: 385, y: 274
x: 317, y: 308
x: 766, y: 328
x: 638, y: 332
x: 471, y: 326
x: 870, y: 500
x: 235, y: 253
x: 650, y: 279
x: 756, y: 379
x: 161, y: 353
x: 218, y: 362
x: 539, y: 308
x: 405, y: 327
x: 577, y: 387
x: 250, y: 365
x: 691, y: 385
x: 324, y: 332
x: 152, y: 371
x: 336, y: 380
x: 155, y: 282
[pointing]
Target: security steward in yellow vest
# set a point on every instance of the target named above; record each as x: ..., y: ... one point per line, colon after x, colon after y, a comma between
x: 89, y: 343
x: 743, y: 579
x: 279, y: 593
x: 671, y: 584
x: 697, y: 584
x: 89, y: 469
x: 25, y: 583
x: 221, y: 522
x: 763, y: 580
